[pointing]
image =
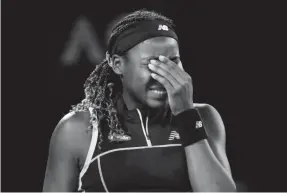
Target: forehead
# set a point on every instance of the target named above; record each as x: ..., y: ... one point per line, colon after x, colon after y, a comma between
x: 157, y: 46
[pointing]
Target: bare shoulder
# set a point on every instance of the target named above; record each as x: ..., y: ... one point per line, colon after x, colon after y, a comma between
x: 73, y: 123
x: 72, y: 134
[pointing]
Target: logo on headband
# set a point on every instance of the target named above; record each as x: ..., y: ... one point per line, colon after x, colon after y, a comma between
x: 162, y: 27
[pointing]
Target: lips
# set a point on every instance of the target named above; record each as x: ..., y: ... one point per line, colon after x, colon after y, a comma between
x: 160, y: 88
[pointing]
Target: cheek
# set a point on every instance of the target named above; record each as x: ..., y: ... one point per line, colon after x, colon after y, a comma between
x: 180, y: 66
x: 145, y: 72
x: 138, y: 78
x: 143, y: 76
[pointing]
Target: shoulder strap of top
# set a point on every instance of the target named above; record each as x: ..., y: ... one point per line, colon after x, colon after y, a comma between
x: 93, y: 144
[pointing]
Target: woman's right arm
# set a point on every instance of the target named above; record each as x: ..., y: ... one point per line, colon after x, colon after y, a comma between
x: 62, y: 169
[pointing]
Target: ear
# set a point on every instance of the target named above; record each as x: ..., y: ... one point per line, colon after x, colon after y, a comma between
x: 116, y: 62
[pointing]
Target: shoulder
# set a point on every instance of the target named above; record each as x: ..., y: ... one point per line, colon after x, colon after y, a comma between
x: 211, y: 119
x: 72, y: 133
x: 73, y: 122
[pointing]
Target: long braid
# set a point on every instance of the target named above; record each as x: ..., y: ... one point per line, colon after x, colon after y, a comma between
x: 99, y: 97
x: 98, y: 94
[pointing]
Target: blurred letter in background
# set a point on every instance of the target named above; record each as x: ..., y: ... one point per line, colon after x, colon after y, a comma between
x: 83, y: 37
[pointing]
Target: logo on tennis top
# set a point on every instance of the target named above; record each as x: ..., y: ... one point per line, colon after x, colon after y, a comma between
x: 118, y: 137
x: 173, y: 135
x: 162, y: 27
x: 198, y: 124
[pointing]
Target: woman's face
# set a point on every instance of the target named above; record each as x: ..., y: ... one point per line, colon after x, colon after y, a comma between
x: 137, y: 82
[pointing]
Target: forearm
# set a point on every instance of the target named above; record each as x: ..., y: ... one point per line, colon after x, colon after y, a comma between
x: 205, y: 171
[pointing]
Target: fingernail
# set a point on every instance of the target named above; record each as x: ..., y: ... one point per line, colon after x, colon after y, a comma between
x: 161, y: 58
x: 153, y: 61
x: 150, y: 65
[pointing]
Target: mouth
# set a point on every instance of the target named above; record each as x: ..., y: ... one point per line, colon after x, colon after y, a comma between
x: 158, y: 92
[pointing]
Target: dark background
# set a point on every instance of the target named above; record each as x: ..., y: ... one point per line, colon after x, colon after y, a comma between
x: 232, y: 50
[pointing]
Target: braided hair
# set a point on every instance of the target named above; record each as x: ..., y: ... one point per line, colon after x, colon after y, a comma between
x: 103, y: 84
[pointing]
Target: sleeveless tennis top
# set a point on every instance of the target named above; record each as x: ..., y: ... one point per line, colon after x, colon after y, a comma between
x: 152, y: 160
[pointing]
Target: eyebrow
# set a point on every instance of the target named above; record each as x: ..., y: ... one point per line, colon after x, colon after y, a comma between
x: 156, y: 57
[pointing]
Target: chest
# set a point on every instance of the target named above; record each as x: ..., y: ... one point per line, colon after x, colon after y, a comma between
x: 153, y: 163
x: 158, y: 168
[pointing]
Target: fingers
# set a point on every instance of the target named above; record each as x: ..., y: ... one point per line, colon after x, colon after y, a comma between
x: 177, y: 67
x: 163, y: 72
x: 168, y: 70
x: 163, y: 81
x: 183, y: 77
